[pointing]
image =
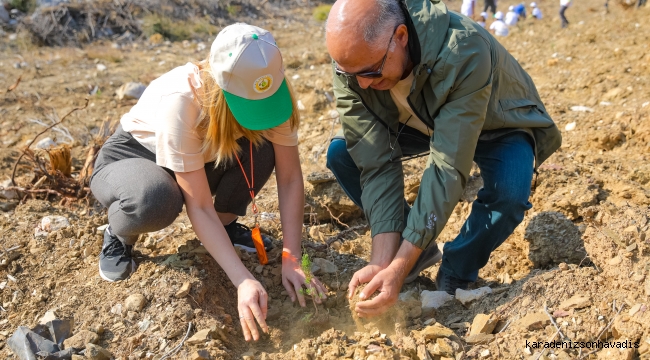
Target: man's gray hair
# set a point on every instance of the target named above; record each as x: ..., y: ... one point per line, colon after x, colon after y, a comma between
x: 389, y: 16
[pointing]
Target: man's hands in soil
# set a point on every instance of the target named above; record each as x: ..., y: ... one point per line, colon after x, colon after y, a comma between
x: 388, y: 282
x: 252, y: 302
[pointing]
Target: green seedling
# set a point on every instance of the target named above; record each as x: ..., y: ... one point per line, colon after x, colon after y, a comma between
x: 305, y: 265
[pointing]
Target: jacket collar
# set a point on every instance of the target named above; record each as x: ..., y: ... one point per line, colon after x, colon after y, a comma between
x: 427, y: 21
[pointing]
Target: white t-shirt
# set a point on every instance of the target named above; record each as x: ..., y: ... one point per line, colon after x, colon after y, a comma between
x: 566, y: 3
x: 511, y: 18
x: 537, y: 13
x: 164, y: 121
x: 399, y: 93
x: 500, y: 28
x: 467, y: 8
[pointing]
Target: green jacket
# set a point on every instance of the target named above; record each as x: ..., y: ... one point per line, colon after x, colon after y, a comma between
x: 466, y: 85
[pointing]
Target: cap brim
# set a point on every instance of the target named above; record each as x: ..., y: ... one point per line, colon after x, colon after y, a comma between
x: 262, y: 114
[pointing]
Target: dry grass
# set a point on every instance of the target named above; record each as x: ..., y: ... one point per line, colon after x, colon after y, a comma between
x: 176, y: 30
x: 105, y: 53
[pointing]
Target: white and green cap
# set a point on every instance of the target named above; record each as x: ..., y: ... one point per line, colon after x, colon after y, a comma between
x: 246, y: 63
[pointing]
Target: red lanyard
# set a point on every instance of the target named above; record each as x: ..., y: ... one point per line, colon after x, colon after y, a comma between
x: 255, y: 233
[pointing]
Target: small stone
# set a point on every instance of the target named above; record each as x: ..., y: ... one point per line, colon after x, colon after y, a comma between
x: 80, y: 339
x: 326, y: 266
x: 436, y: 331
x: 49, y: 316
x: 466, y: 297
x: 201, y: 337
x: 101, y: 67
x: 485, y: 353
x: 95, y: 352
x: 479, y: 339
x: 314, y: 232
x: 570, y: 126
x: 635, y: 309
x: 534, y: 321
x: 631, y: 231
x: 432, y: 300
x: 200, y: 355
x: 615, y: 260
x: 183, y: 291
x: 576, y: 302
x: 483, y: 324
x: 563, y: 266
x: 135, y: 302
x: 53, y: 223
x: 336, y: 245
x: 7, y: 194
x: 130, y: 90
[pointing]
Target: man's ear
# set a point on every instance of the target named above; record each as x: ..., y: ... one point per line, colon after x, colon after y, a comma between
x: 401, y: 35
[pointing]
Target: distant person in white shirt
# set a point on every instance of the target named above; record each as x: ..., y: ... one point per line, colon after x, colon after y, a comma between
x: 511, y: 17
x: 482, y: 20
x: 467, y: 8
x: 564, y: 4
x: 536, y: 13
x: 498, y: 27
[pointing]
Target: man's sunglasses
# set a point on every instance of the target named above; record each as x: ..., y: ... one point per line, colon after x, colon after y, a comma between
x: 369, y: 74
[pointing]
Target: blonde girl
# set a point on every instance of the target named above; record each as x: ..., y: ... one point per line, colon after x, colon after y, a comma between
x: 208, y: 136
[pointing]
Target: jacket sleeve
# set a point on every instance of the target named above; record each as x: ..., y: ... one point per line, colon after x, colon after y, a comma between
x: 468, y: 85
x: 382, y: 182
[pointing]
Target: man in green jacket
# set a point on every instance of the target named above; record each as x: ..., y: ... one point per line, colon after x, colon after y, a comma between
x: 412, y: 78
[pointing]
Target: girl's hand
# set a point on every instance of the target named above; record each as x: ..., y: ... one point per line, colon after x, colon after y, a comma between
x: 293, y: 279
x: 252, y: 302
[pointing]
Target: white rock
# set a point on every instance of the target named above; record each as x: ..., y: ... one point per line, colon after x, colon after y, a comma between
x: 49, y: 224
x: 13, y: 37
x: 326, y: 266
x: 45, y: 144
x: 7, y: 194
x: 485, y: 353
x: 101, y: 67
x: 333, y: 114
x: 434, y: 299
x: 581, y: 108
x: 49, y: 316
x: 301, y: 106
x: 3, y: 285
x: 468, y: 296
x: 645, y: 104
x: 570, y: 126
x: 101, y: 229
x: 130, y: 90
x: 295, y: 77
x: 201, y: 46
x: 605, y: 103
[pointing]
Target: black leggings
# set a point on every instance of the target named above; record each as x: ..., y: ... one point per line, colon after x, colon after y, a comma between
x: 490, y: 4
x: 565, y: 22
x: 143, y: 197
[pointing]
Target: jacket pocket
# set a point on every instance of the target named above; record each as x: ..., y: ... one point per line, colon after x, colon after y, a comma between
x: 523, y: 113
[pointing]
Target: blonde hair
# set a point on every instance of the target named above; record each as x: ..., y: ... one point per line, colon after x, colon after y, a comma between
x: 219, y: 125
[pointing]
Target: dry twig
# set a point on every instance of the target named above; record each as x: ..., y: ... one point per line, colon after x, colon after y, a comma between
x: 15, y: 85
x: 13, y: 173
x: 344, y: 233
x: 176, y: 348
x: 553, y: 322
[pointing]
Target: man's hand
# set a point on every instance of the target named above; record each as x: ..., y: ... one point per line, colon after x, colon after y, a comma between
x: 366, y: 274
x: 388, y: 282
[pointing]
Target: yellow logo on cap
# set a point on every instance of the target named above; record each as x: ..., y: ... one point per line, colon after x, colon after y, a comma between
x: 263, y: 83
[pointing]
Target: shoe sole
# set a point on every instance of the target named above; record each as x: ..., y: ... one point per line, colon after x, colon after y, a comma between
x: 427, y: 264
x: 103, y: 276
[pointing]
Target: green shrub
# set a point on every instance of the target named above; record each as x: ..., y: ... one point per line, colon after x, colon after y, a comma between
x: 175, y: 30
x: 25, y: 6
x: 320, y: 13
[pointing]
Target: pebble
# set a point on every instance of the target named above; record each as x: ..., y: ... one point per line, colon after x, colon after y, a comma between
x: 432, y: 300
x: 259, y: 269
x: 7, y: 194
x: 635, y: 309
x: 95, y: 352
x: 300, y: 105
x: 200, y: 355
x: 326, y: 266
x: 576, y: 302
x: 436, y: 331
x: 53, y: 223
x: 49, y: 316
x: 201, y: 337
x: 130, y: 90
x: 534, y: 321
x: 483, y: 324
x: 466, y: 297
x: 336, y: 245
x: 570, y: 126
x: 485, y: 353
x: 101, y: 67
x: 479, y: 339
x: 80, y: 339
x: 615, y: 260
x: 184, y: 290
x: 135, y: 302
x: 580, y: 108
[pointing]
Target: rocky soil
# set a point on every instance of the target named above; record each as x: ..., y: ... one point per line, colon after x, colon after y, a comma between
x: 577, y: 269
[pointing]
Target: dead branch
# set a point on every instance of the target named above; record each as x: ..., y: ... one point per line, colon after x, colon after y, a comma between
x: 344, y: 233
x: 32, y: 191
x: 335, y: 217
x: 15, y: 85
x: 553, y: 322
x: 13, y: 173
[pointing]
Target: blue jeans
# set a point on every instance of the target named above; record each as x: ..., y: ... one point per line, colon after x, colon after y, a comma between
x: 506, y: 167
